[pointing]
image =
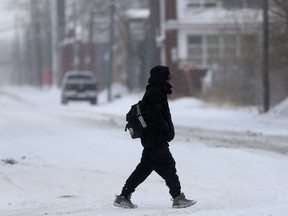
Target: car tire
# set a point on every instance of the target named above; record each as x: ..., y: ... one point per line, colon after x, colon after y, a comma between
x: 64, y: 101
x: 93, y: 101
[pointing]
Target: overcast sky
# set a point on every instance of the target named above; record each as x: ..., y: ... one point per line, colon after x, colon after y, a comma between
x: 7, y: 17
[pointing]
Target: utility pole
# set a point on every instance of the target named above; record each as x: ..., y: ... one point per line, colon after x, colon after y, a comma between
x: 36, y: 37
x: 153, y: 51
x: 265, y: 57
x: 90, y: 48
x: 58, y: 20
x: 46, y: 43
x: 162, y: 36
x: 111, y: 47
x: 76, y: 57
x: 19, y: 76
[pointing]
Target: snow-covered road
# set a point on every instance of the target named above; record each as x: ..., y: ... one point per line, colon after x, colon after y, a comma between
x: 72, y: 160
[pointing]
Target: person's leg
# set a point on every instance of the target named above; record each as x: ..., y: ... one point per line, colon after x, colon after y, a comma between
x: 142, y: 171
x: 165, y: 167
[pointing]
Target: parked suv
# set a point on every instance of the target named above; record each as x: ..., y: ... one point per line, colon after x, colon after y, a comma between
x: 79, y: 85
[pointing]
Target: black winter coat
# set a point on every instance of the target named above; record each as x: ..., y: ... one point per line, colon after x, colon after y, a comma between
x: 160, y: 128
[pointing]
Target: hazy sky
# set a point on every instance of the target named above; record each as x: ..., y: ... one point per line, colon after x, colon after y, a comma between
x: 7, y: 17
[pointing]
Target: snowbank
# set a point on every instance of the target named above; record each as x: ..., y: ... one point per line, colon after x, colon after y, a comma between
x: 186, y: 112
x: 281, y: 110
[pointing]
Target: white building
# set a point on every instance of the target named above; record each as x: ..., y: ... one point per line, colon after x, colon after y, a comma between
x: 207, y: 32
x: 221, y: 37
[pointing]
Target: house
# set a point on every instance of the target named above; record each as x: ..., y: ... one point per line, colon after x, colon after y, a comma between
x: 212, y: 36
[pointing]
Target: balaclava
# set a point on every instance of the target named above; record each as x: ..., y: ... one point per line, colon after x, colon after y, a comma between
x: 159, y: 76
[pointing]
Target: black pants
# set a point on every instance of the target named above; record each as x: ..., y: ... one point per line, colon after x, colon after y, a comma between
x: 159, y: 160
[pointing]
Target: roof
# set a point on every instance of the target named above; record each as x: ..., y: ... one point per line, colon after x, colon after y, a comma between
x: 217, y: 18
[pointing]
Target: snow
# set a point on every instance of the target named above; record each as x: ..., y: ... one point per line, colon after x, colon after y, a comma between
x: 72, y: 160
x: 221, y: 16
x: 137, y: 13
x: 281, y: 110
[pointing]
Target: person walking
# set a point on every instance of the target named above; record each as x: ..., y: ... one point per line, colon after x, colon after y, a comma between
x: 156, y: 155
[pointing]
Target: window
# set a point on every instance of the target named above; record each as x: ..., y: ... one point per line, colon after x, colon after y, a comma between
x: 209, y: 3
x: 194, y: 3
x: 230, y: 46
x: 248, y: 43
x: 213, y: 48
x: 242, y: 3
x: 201, y: 3
x: 232, y: 3
x: 254, y: 4
x: 195, y: 52
x: 194, y: 40
x: 210, y: 49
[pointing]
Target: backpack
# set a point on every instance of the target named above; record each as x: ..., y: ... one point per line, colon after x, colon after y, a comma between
x: 135, y: 120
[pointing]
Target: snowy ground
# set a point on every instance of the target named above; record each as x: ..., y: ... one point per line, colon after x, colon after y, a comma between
x: 72, y: 160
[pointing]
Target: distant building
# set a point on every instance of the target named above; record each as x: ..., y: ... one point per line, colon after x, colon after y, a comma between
x: 90, y: 21
x: 214, y: 36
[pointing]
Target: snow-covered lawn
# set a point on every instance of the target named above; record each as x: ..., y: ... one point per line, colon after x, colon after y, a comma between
x: 72, y: 160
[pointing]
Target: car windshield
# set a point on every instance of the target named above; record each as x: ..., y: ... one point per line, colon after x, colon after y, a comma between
x: 73, y: 77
